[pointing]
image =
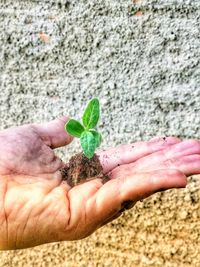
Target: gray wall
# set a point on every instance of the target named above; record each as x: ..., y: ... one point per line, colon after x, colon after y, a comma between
x: 141, y: 58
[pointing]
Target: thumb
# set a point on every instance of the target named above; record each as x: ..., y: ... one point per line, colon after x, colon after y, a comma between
x: 53, y: 132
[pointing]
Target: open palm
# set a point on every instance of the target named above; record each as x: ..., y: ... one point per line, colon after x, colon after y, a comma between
x: 37, y: 207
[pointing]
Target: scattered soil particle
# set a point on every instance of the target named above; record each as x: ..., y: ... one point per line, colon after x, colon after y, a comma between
x: 81, y: 169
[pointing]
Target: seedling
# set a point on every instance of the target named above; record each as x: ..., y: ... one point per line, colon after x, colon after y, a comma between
x: 89, y: 137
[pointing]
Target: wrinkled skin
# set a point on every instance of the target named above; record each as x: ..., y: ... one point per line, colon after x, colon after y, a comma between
x: 37, y: 207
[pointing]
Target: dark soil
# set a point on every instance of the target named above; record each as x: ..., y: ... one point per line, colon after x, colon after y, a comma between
x: 81, y: 169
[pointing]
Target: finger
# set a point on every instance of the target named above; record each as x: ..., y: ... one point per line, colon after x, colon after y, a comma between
x: 184, y: 156
x: 125, y: 154
x: 111, y: 196
x: 189, y: 165
x: 184, y: 148
x: 53, y: 132
x: 79, y: 197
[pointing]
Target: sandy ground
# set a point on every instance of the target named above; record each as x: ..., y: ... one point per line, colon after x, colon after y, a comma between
x: 141, y: 58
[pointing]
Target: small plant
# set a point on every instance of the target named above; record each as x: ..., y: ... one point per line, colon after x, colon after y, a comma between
x: 89, y: 137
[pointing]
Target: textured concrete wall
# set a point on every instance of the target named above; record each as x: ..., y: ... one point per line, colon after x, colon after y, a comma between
x: 142, y: 59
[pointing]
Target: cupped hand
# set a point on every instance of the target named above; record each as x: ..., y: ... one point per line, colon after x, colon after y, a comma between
x: 37, y: 207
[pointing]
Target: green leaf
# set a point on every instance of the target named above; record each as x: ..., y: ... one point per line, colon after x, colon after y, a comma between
x: 88, y: 144
x: 97, y: 136
x: 91, y: 114
x: 74, y: 128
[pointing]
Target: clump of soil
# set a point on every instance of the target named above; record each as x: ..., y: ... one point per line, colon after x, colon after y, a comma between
x: 81, y: 169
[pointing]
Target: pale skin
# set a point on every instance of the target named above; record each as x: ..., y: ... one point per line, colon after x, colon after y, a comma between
x: 37, y: 207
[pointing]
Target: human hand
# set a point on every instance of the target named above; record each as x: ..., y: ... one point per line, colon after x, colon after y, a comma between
x: 28, y: 149
x: 37, y: 207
